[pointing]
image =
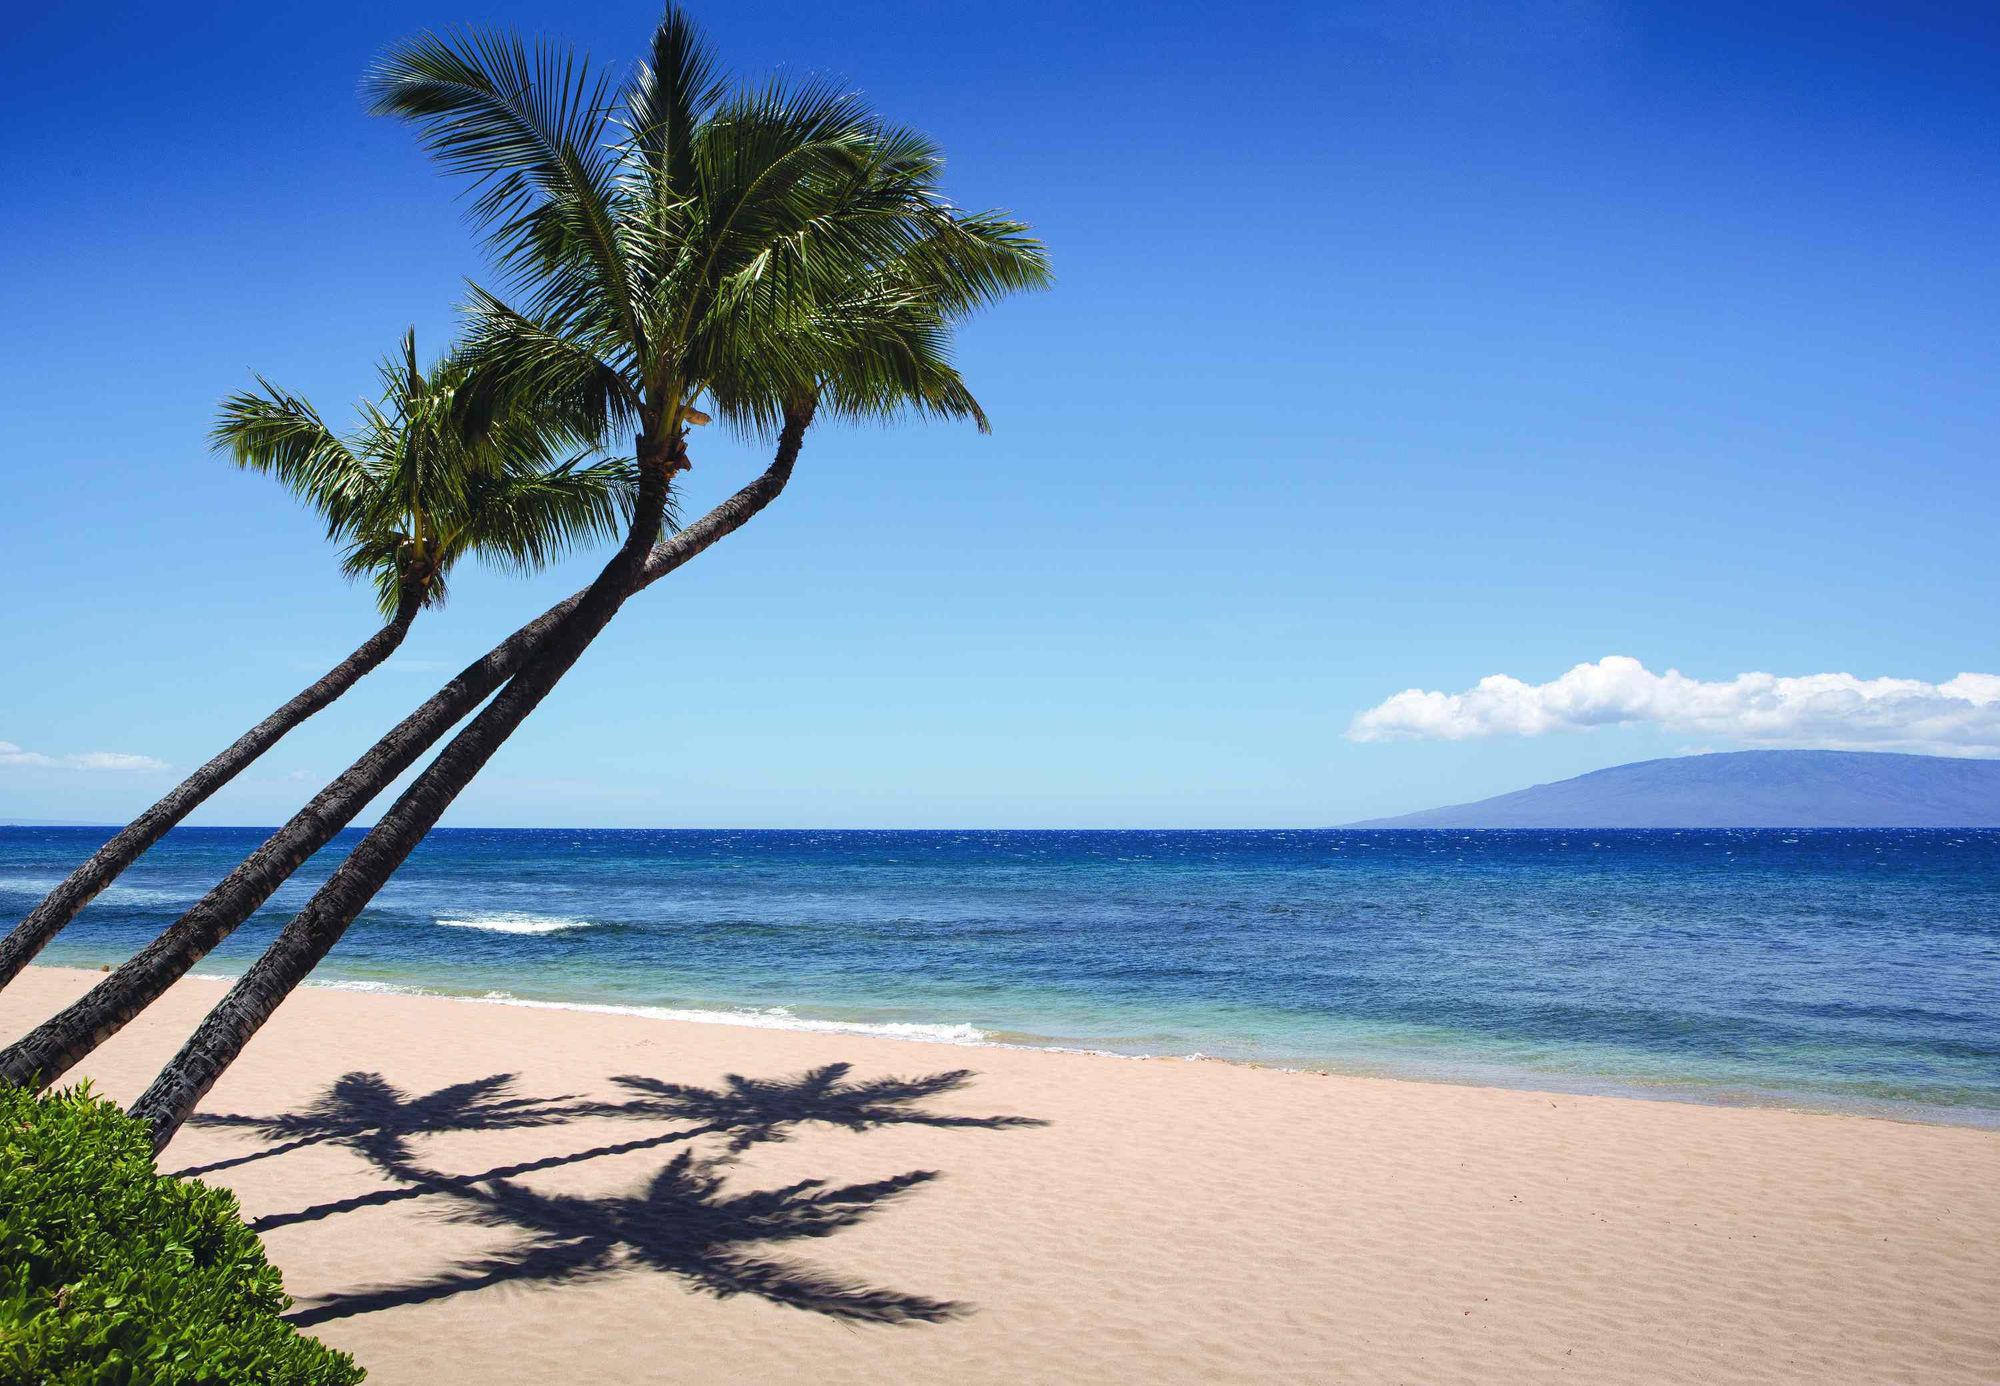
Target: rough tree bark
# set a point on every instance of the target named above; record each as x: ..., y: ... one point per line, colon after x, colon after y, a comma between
x: 298, y: 948
x: 67, y: 900
x: 58, y: 1044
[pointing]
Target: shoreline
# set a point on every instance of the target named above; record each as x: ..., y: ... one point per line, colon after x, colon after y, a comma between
x: 1846, y: 977
x: 1469, y: 1074
x: 1025, y: 1214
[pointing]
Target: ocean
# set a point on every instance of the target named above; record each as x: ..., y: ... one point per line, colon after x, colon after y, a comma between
x: 1837, y: 970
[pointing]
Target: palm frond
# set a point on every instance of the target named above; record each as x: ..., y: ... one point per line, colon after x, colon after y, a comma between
x: 756, y: 247
x: 275, y: 432
x: 572, y: 377
x: 670, y: 95
x: 425, y: 480
x: 526, y: 125
x: 530, y: 514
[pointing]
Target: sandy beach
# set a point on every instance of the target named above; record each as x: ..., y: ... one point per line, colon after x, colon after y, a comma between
x: 495, y: 1203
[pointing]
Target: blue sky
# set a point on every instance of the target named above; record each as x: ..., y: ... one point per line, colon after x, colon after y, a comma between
x: 1395, y: 345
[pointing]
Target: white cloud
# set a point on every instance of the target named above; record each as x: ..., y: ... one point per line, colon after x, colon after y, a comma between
x: 113, y: 760
x: 1958, y: 717
x: 10, y: 754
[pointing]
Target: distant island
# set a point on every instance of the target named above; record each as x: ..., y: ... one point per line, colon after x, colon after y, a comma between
x: 1745, y: 789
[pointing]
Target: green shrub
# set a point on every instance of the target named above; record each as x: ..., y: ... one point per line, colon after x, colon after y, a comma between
x: 112, y: 1275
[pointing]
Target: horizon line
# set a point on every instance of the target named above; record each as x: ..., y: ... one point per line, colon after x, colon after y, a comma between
x: 1364, y: 826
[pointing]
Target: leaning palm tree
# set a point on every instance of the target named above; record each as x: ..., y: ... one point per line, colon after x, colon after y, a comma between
x: 891, y: 325
x: 778, y: 253
x: 425, y: 480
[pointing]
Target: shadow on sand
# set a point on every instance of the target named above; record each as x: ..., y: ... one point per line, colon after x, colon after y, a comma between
x: 683, y: 1222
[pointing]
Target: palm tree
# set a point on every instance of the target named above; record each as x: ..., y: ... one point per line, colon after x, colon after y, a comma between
x: 965, y: 260
x: 422, y: 483
x: 779, y: 252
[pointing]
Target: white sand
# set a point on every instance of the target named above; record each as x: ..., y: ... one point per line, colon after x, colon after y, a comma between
x: 1173, y: 1221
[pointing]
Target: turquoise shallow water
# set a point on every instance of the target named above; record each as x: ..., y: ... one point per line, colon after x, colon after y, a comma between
x: 1853, y: 970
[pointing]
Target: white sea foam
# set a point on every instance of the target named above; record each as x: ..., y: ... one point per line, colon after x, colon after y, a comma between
x: 371, y: 988
x: 764, y: 1018
x: 511, y: 922
x: 755, y: 1018
x: 767, y: 1018
x: 367, y: 987
x: 111, y: 895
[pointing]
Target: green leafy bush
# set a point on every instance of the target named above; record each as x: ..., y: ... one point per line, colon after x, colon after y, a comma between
x: 112, y: 1275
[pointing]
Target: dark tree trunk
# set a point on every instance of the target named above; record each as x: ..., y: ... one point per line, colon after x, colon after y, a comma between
x: 325, y: 918
x: 54, y: 1047
x: 64, y: 903
x: 57, y: 1045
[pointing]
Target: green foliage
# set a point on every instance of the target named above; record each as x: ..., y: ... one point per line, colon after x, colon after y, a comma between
x: 113, y: 1275
x: 669, y: 237
x: 431, y: 475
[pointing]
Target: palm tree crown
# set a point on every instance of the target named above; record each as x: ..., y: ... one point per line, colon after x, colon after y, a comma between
x: 670, y: 240
x: 427, y: 478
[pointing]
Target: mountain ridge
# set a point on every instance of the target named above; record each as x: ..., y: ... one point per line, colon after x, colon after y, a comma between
x: 1744, y: 789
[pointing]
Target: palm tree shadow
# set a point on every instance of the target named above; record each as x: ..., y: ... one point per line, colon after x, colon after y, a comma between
x: 760, y: 1110
x: 375, y: 1118
x: 683, y: 1223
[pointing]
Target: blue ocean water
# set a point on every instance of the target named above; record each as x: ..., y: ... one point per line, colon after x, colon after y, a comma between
x: 1852, y: 970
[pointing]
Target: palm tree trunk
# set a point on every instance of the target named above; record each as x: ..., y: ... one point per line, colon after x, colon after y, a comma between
x: 50, y: 1050
x: 315, y: 929
x: 63, y: 903
x: 57, y: 1045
